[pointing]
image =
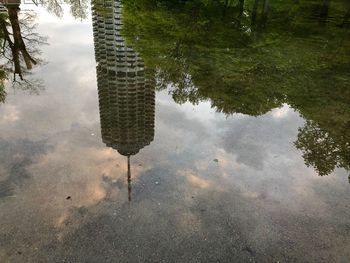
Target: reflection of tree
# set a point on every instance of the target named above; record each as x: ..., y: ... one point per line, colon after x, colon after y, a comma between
x: 20, y: 47
x: 322, y: 150
x: 2, y: 85
x: 54, y: 6
x: 253, y: 61
x: 78, y: 8
x: 126, y: 91
x: 191, y: 46
x: 16, y: 43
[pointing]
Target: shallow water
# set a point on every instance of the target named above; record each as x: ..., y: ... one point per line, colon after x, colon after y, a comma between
x: 238, y: 139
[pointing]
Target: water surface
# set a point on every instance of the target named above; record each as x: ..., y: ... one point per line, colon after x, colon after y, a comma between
x: 177, y: 132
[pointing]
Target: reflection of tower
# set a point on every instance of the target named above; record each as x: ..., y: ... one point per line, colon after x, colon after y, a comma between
x: 126, y: 95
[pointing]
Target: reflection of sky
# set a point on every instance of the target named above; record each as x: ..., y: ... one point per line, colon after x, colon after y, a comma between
x: 207, y: 183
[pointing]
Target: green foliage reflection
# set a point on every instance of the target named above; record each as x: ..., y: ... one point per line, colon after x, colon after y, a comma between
x: 252, y: 56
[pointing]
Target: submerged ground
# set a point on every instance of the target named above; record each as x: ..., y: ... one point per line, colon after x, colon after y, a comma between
x: 175, y: 131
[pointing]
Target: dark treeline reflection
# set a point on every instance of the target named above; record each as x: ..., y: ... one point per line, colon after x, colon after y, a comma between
x: 252, y: 56
x: 126, y: 90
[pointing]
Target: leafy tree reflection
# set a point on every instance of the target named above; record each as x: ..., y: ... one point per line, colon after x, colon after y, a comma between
x: 321, y: 150
x: 252, y: 56
x: 78, y: 8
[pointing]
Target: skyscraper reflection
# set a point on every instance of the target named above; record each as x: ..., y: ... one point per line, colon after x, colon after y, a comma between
x: 126, y: 93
